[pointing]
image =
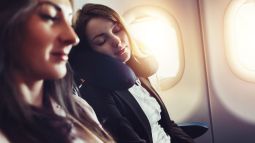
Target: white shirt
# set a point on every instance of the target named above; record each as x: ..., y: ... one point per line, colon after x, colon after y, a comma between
x: 152, y: 110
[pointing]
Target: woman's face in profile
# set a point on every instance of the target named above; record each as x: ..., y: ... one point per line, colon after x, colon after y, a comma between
x: 109, y: 38
x: 48, y: 40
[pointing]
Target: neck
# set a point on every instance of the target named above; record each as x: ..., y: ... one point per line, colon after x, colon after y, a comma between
x: 31, y: 90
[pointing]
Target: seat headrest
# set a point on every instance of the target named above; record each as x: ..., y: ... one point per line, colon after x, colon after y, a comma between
x: 102, y: 71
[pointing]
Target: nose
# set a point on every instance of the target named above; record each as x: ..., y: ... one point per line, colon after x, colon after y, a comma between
x: 68, y: 36
x: 116, y: 41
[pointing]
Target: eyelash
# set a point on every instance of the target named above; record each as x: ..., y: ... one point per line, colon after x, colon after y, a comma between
x: 118, y: 29
x: 48, y: 17
x: 101, y: 42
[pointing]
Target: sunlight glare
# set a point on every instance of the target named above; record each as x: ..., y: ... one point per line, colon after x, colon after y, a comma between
x: 244, y: 23
x: 160, y: 37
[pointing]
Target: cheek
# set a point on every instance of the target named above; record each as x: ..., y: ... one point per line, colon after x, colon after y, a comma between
x: 105, y: 49
x: 43, y: 39
x: 123, y: 36
x: 34, y: 48
x: 30, y: 58
x: 39, y: 33
x: 39, y: 40
x: 128, y: 44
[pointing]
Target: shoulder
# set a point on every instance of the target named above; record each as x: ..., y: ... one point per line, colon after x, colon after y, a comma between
x: 146, y: 82
x: 95, y: 94
x: 86, y: 107
x: 84, y: 104
x: 90, y: 89
x: 3, y: 139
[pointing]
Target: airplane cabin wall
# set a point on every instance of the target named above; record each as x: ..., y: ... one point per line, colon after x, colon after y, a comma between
x: 232, y: 98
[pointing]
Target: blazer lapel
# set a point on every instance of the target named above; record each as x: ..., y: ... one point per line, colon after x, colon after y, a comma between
x: 165, y: 118
x: 128, y: 98
x: 145, y: 83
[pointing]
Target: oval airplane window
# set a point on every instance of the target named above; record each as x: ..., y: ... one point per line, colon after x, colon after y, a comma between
x: 240, y: 38
x: 156, y: 31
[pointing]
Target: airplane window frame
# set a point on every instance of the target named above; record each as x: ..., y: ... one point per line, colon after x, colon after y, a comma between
x: 158, y: 12
x: 230, y: 40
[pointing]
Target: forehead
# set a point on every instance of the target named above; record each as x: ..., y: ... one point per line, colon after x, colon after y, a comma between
x: 98, y: 25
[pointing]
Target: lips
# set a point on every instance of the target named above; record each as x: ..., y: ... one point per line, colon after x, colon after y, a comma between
x: 61, y: 56
x: 120, y: 52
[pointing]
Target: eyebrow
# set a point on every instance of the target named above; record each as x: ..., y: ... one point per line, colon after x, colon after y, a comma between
x: 102, y: 34
x: 59, y: 9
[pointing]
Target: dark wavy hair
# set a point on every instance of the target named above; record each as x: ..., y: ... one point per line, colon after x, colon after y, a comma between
x: 21, y: 122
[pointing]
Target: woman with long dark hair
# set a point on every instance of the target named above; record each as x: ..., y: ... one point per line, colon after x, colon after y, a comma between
x: 36, y: 86
x: 115, y: 80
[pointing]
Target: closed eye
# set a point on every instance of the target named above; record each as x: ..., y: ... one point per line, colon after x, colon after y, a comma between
x: 99, y: 41
x: 47, y: 17
x: 117, y: 28
x: 49, y: 11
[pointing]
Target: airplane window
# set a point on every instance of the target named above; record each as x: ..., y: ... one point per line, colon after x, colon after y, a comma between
x: 240, y: 33
x: 156, y: 31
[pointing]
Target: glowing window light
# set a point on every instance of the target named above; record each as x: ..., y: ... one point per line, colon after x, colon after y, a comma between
x: 161, y: 39
x: 245, y: 35
x: 156, y: 31
x: 240, y: 32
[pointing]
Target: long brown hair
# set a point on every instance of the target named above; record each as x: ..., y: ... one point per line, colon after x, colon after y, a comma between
x: 138, y: 59
x: 21, y: 122
x: 89, y: 11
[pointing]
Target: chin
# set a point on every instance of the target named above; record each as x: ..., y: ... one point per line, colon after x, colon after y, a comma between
x: 125, y: 58
x: 62, y: 74
x: 58, y: 73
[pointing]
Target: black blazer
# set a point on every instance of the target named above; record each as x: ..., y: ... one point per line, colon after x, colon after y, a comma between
x: 121, y: 115
x: 106, y: 89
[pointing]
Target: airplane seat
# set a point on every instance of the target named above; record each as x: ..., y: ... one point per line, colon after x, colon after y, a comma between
x: 194, y: 129
x: 103, y: 67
